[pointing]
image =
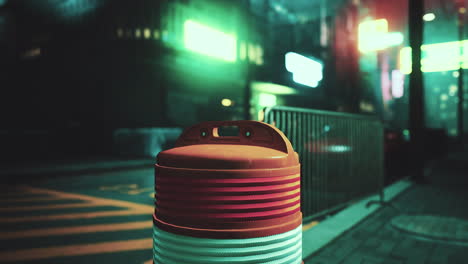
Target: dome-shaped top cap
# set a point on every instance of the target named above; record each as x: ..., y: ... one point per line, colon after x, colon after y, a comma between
x: 258, y: 146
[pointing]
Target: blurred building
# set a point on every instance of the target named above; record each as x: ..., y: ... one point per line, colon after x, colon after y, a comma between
x: 75, y: 71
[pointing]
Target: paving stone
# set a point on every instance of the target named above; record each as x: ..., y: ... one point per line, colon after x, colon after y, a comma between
x: 370, y: 261
x: 328, y: 252
x: 360, y: 234
x: 442, y: 252
x: 374, y: 240
x: 389, y: 261
x: 394, y: 259
x: 345, y: 248
x: 354, y: 258
x: 373, y: 226
x: 386, y: 247
x: 459, y: 256
x: 321, y: 260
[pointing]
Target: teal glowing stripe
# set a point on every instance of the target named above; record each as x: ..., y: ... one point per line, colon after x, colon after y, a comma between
x: 165, y: 245
x: 277, y: 257
x: 281, y: 248
x: 293, y: 259
x: 226, y: 243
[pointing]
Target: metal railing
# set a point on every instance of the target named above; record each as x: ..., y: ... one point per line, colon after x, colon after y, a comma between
x: 341, y: 155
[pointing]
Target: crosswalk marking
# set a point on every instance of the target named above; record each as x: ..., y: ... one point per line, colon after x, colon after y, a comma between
x: 96, y: 200
x: 71, y: 216
x: 47, y: 207
x: 131, y: 189
x: 31, y: 199
x: 90, y: 201
x: 75, y: 230
x: 73, y: 201
x: 76, y: 250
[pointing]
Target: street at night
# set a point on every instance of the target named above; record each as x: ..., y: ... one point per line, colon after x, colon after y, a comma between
x: 233, y: 132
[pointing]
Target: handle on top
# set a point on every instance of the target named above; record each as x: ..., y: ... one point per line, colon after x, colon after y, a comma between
x: 251, y: 133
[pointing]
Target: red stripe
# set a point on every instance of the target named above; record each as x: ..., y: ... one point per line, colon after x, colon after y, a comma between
x: 247, y: 216
x: 228, y: 198
x: 250, y: 229
x: 223, y: 209
x: 196, y: 205
x: 195, y: 190
x: 168, y: 179
x: 222, y: 179
x: 205, y: 173
x: 228, y: 225
x: 216, y: 198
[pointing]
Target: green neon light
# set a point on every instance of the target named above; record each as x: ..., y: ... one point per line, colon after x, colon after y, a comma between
x: 306, y: 71
x: 266, y: 100
x: 209, y: 41
x: 339, y: 148
x: 437, y: 57
x: 406, y: 135
x: 374, y: 35
x: 272, y: 88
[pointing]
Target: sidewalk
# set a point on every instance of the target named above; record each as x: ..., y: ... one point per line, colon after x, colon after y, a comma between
x: 425, y: 224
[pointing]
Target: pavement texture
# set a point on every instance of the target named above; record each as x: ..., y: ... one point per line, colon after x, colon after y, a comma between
x: 17, y: 171
x: 425, y: 224
x: 103, y: 217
